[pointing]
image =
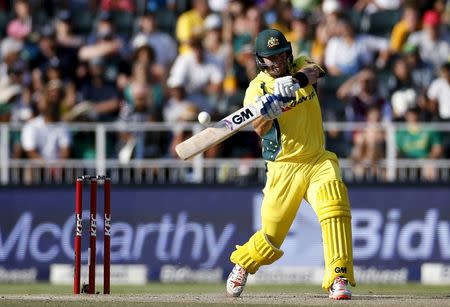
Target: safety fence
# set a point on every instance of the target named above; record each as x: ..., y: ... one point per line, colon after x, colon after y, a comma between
x: 163, y: 170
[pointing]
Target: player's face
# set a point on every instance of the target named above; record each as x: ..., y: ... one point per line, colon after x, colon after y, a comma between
x: 277, y: 65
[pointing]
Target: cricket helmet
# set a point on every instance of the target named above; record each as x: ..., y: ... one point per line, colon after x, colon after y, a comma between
x: 271, y: 42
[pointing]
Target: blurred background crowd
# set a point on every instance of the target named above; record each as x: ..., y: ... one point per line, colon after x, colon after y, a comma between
x: 166, y: 60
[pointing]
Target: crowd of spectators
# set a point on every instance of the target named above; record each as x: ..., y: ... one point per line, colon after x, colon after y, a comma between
x: 167, y: 60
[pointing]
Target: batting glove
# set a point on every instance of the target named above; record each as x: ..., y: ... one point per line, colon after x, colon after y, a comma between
x: 286, y: 88
x: 271, y: 106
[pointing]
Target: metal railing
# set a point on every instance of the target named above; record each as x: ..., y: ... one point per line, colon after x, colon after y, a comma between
x: 199, y: 170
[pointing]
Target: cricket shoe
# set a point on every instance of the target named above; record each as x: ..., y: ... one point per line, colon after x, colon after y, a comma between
x: 339, y: 289
x: 236, y: 281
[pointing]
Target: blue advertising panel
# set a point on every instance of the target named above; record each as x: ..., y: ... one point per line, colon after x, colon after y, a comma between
x: 185, y: 226
x: 395, y: 229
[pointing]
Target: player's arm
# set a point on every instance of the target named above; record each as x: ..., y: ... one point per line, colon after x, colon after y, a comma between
x: 308, y: 75
x: 262, y: 125
x: 305, y: 71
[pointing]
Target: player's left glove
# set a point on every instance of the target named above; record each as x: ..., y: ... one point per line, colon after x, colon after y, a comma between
x: 271, y: 106
x: 286, y: 88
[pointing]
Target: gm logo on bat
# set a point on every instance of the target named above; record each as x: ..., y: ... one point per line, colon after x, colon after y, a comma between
x: 239, y: 118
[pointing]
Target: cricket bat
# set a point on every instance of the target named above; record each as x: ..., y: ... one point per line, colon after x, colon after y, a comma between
x: 220, y: 131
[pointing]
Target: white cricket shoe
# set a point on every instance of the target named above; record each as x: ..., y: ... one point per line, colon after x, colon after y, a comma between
x: 339, y: 289
x: 236, y: 281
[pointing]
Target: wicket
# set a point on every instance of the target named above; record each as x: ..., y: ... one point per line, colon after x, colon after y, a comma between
x: 93, y: 180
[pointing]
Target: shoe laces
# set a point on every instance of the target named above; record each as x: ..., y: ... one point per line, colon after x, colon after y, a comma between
x: 340, y: 282
x: 240, y: 274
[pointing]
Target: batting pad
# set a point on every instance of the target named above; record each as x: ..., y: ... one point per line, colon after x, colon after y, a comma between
x: 333, y: 211
x: 256, y: 252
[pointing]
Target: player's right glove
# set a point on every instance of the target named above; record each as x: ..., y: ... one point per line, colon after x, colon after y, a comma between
x: 271, y: 106
x: 286, y: 88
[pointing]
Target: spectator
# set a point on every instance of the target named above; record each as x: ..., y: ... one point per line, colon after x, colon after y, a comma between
x: 8, y: 95
x: 145, y: 70
x: 269, y: 10
x: 21, y: 108
x: 348, y: 52
x: 372, y: 6
x: 433, y: 41
x: 409, y: 23
x: 54, y: 72
x: 319, y: 44
x: 283, y: 17
x: 360, y: 93
x: 64, y: 36
x: 402, y: 90
x: 162, y: 43
x: 45, y: 137
x: 442, y: 7
x: 218, y: 6
x: 139, y: 83
x: 401, y: 100
x: 99, y: 97
x: 199, y: 74
x: 49, y: 51
x: 244, y: 69
x: 144, y: 53
x: 300, y: 35
x: 416, y: 142
x: 105, y: 44
x: 369, y: 146
x: 10, y: 49
x: 246, y: 27
x: 10, y: 112
x: 190, y: 24
x: 214, y: 45
x: 332, y: 15
x: 439, y: 92
x: 254, y: 21
x: 177, y: 111
x: 137, y: 108
x: 47, y: 48
x: 244, y: 66
x: 422, y: 72
x: 21, y: 26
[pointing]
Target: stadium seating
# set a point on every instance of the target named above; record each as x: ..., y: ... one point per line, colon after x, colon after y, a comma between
x: 166, y: 20
x: 380, y: 23
x: 123, y: 21
x: 83, y: 22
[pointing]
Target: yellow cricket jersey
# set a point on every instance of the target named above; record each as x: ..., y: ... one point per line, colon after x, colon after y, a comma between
x: 297, y: 134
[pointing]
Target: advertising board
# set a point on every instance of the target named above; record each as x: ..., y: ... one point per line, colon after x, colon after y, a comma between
x: 183, y: 233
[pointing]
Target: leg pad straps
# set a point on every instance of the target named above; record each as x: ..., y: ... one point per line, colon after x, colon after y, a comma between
x: 256, y: 252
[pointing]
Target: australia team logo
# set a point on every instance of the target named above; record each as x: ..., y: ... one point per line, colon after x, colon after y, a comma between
x: 272, y: 42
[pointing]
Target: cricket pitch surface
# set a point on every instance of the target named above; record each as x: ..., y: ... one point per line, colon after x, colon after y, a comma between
x: 214, y: 295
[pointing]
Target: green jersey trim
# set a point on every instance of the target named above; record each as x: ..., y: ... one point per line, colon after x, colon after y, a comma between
x: 271, y: 142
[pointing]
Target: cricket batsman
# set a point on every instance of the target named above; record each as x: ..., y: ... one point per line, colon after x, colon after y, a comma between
x: 298, y: 166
